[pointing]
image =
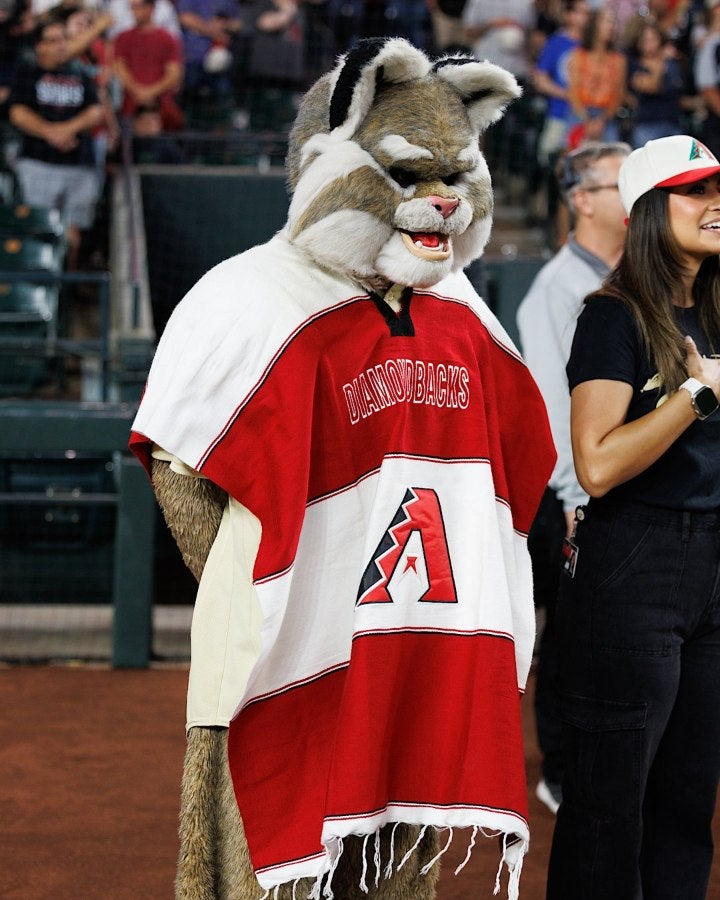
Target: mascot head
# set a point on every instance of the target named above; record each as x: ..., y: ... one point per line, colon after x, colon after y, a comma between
x: 389, y: 184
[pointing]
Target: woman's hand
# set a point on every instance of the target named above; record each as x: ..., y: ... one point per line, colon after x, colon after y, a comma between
x: 704, y: 368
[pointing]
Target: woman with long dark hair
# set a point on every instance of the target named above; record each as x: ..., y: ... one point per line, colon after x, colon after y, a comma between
x: 639, y: 607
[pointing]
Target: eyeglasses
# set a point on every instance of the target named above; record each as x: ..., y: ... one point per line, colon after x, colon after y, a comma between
x: 599, y: 187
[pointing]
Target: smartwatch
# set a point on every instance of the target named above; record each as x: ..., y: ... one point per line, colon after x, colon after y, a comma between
x: 702, y: 397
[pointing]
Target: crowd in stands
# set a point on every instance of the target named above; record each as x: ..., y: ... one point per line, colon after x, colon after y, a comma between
x: 618, y: 69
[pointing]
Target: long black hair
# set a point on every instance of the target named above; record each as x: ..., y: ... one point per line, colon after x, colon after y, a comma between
x: 650, y: 276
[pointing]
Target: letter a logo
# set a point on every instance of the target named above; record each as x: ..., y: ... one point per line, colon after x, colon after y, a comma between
x: 700, y: 151
x: 411, y: 562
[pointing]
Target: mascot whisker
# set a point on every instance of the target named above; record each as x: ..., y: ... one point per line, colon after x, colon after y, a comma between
x: 349, y: 452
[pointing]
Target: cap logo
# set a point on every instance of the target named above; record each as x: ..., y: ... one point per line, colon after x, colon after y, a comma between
x: 700, y: 151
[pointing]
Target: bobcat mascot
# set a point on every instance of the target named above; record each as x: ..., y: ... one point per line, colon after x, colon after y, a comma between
x: 349, y: 452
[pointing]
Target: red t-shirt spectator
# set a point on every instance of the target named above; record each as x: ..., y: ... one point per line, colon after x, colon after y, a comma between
x: 146, y: 53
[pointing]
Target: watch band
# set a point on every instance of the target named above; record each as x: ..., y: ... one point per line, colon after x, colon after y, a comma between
x: 703, y: 399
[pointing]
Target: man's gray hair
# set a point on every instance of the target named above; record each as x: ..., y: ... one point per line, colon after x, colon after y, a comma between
x: 576, y: 169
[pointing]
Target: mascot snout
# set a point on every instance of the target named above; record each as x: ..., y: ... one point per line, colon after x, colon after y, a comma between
x: 446, y: 207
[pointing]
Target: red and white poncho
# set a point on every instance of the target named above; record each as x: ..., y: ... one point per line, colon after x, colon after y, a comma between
x: 394, y: 463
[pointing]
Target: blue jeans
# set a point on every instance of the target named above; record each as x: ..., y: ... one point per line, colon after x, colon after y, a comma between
x: 639, y: 633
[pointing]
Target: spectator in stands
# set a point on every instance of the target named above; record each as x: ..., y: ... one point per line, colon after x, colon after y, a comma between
x: 148, y: 64
x: 550, y: 78
x: 499, y: 31
x: 16, y: 23
x: 277, y: 62
x: 546, y: 322
x: 670, y: 16
x: 86, y: 44
x: 447, y: 23
x: 656, y: 85
x: 548, y: 18
x: 39, y: 9
x: 55, y: 107
x: 164, y: 16
x: 550, y: 81
x: 707, y: 77
x: 85, y: 29
x: 624, y: 11
x: 209, y: 26
x: 597, y: 80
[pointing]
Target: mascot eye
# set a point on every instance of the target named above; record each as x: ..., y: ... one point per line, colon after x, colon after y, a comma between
x: 403, y: 177
x: 450, y: 179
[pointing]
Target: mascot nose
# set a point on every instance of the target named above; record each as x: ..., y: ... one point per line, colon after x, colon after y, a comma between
x: 444, y: 206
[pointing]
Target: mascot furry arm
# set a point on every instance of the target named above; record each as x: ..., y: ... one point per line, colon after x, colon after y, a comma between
x: 350, y: 451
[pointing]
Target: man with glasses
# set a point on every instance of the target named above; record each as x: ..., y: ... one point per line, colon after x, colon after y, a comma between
x: 55, y: 107
x: 546, y: 322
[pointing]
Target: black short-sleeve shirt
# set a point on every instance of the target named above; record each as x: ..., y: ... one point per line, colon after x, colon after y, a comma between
x: 57, y: 96
x: 607, y: 345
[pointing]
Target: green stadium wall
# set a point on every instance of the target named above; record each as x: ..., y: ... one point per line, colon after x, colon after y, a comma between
x: 196, y: 218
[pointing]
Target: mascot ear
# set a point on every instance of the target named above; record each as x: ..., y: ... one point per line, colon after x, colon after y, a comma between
x: 484, y: 88
x: 370, y: 62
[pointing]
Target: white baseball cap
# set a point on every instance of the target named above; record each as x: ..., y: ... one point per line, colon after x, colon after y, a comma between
x: 665, y: 162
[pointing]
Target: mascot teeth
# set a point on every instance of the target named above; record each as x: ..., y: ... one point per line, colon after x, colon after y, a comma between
x: 427, y: 245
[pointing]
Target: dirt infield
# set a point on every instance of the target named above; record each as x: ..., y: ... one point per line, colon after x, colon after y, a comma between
x: 90, y: 761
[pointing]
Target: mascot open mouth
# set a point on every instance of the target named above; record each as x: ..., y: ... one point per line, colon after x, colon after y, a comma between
x: 427, y: 245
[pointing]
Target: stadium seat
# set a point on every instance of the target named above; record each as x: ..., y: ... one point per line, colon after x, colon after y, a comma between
x: 65, y: 520
x: 20, y: 254
x: 28, y: 313
x: 21, y: 301
x: 63, y: 527
x: 20, y: 220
